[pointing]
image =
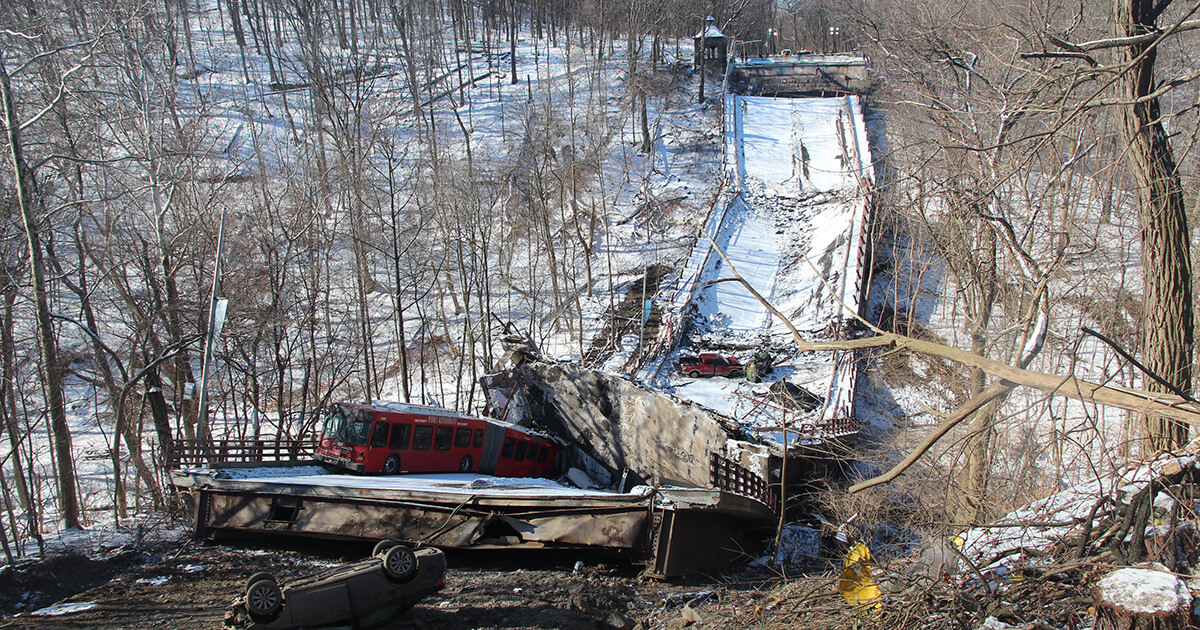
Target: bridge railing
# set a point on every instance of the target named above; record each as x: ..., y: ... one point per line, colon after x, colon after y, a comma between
x: 734, y: 478
x: 238, y: 451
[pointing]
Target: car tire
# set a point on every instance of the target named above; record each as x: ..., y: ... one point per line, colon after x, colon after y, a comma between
x: 464, y: 464
x: 736, y: 374
x: 399, y: 563
x: 694, y: 374
x: 264, y: 601
x: 383, y: 546
x: 391, y: 465
x: 261, y: 575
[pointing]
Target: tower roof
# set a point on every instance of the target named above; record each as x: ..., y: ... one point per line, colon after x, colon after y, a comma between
x: 710, y: 30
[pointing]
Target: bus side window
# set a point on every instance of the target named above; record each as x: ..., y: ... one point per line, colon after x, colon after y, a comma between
x: 462, y: 437
x: 533, y: 452
x: 542, y: 454
x: 422, y: 438
x: 399, y: 439
x: 478, y: 441
x: 521, y: 448
x: 443, y: 438
x: 506, y: 451
x: 379, y: 438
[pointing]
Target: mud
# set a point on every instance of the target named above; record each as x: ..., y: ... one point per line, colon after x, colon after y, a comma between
x: 189, y: 586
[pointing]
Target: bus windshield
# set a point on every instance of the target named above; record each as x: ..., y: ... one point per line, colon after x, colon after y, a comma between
x: 345, y: 426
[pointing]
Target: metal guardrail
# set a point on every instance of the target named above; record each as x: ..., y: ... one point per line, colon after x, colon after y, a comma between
x: 235, y: 451
x: 734, y: 478
x: 838, y: 418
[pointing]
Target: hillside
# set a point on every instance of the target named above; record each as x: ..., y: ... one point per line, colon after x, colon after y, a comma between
x: 382, y: 192
x: 383, y: 209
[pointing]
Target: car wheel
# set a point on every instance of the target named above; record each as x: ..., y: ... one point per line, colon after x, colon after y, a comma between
x: 399, y: 563
x: 264, y: 601
x: 464, y: 464
x: 694, y: 374
x: 261, y: 575
x: 391, y: 465
x: 735, y: 374
x: 383, y: 546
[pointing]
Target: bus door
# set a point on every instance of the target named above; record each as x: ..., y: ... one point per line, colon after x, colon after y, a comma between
x: 493, y: 439
x: 377, y: 448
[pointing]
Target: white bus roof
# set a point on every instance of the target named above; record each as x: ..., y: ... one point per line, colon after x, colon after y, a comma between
x: 402, y: 407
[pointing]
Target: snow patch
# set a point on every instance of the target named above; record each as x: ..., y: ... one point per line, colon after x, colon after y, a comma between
x: 157, y: 580
x: 1145, y: 590
x: 992, y: 623
x: 59, y: 610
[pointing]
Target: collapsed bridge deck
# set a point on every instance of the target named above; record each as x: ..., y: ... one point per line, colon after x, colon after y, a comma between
x: 660, y: 526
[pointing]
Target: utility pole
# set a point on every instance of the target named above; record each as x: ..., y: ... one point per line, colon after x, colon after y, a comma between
x: 216, y: 319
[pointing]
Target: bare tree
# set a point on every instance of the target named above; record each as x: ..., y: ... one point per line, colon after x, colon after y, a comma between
x: 52, y: 370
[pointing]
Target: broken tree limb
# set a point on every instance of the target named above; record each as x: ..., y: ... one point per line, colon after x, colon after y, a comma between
x: 997, y: 390
x: 1138, y: 364
x: 1137, y: 401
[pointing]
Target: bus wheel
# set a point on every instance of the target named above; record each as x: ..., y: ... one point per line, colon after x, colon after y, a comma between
x: 464, y: 465
x: 391, y: 465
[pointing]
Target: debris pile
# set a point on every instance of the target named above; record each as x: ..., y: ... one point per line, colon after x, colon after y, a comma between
x: 1117, y: 552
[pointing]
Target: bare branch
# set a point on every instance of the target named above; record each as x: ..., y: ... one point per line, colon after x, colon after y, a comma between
x: 996, y: 391
x: 1118, y: 42
x: 1091, y: 61
x: 1137, y: 401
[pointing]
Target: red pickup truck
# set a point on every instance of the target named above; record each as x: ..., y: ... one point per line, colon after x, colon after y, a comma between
x: 711, y: 364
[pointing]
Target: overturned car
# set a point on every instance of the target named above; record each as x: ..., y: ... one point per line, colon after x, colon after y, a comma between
x: 367, y: 593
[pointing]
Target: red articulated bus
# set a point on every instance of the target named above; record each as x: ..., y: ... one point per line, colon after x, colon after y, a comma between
x: 392, y: 437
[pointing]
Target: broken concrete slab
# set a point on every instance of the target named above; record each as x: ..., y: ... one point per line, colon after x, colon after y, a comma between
x: 631, y: 430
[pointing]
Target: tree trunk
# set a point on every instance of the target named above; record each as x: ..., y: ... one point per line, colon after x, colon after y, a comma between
x: 51, y: 370
x: 1167, y: 326
x: 8, y: 396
